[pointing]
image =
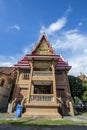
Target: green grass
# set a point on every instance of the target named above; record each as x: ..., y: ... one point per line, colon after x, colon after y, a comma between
x: 85, y: 113
x: 42, y: 122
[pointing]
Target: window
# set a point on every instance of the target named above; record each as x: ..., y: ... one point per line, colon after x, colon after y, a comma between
x: 42, y: 89
x: 26, y: 71
x: 23, y: 88
x: 61, y: 92
x: 26, y: 74
x: 58, y: 72
x: 59, y: 75
x: 5, y: 96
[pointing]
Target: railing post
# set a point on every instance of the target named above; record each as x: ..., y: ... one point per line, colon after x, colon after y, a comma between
x: 30, y: 85
x: 54, y: 80
x: 41, y: 98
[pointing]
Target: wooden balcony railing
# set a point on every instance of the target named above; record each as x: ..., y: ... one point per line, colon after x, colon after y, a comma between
x: 25, y: 76
x: 42, y: 73
x: 41, y: 98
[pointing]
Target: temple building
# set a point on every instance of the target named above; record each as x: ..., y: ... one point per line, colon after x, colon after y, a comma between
x: 6, y: 85
x: 42, y: 85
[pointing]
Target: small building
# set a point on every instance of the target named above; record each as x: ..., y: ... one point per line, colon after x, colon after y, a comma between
x: 42, y: 85
x: 6, y: 83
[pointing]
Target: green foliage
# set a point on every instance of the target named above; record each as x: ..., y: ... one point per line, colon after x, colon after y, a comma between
x: 85, y: 95
x: 76, y: 99
x: 84, y: 83
x: 76, y: 86
x: 85, y: 92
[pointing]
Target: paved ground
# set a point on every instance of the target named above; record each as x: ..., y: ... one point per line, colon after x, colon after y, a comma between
x: 9, y: 127
x: 46, y: 128
x: 5, y: 116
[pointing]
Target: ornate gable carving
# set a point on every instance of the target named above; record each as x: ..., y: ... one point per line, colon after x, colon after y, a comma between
x: 43, y: 47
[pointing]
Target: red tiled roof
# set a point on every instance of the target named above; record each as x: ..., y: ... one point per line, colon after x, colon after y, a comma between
x: 62, y: 64
x: 6, y: 70
x: 23, y: 62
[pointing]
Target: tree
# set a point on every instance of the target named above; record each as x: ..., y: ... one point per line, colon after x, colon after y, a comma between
x: 76, y: 86
x: 85, y: 92
x: 84, y: 96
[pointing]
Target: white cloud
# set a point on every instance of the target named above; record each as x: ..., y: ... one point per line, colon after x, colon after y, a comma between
x: 55, y: 26
x: 6, y: 64
x: 2, y: 58
x: 11, y: 60
x: 27, y: 49
x: 79, y: 64
x: 71, y: 39
x: 16, y: 27
x: 68, y: 11
x: 85, y: 51
x: 72, y: 43
x: 58, y: 25
x: 8, y: 60
x: 80, y: 24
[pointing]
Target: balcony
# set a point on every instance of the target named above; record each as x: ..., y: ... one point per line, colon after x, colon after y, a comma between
x: 42, y: 98
x: 42, y: 75
x: 24, y: 78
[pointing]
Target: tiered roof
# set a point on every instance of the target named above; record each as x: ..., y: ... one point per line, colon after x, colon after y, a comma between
x: 43, y: 50
x: 23, y: 62
x: 6, y: 70
x: 62, y: 64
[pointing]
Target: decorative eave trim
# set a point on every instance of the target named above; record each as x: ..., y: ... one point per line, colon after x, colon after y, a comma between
x: 43, y: 56
x: 63, y: 67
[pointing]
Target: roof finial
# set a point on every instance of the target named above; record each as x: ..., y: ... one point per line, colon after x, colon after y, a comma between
x: 44, y: 33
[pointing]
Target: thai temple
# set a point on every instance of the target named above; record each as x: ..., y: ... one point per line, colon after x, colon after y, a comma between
x: 42, y: 85
x: 6, y: 86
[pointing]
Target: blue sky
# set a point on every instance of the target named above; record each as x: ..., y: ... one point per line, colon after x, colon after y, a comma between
x: 64, y: 21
